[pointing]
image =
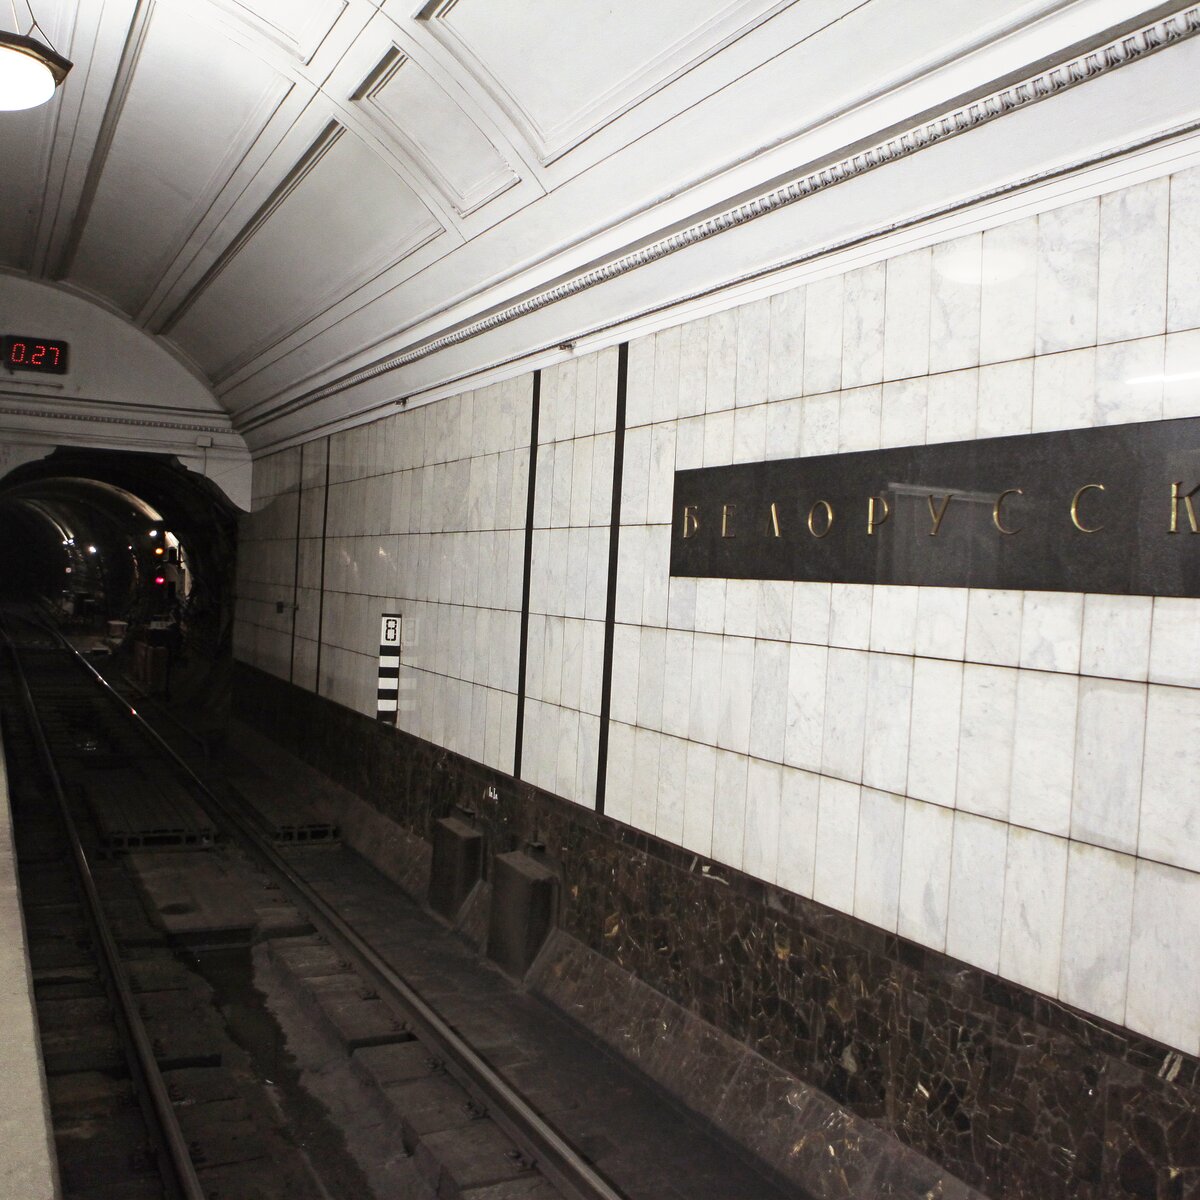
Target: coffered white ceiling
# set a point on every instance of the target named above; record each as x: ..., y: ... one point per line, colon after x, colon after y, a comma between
x: 292, y: 193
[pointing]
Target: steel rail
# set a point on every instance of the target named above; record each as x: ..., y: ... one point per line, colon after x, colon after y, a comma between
x: 181, y: 1162
x: 561, y: 1164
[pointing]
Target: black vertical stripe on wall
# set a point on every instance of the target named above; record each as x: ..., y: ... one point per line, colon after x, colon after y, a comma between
x: 321, y: 601
x: 610, y: 611
x: 523, y: 653
x: 296, y: 572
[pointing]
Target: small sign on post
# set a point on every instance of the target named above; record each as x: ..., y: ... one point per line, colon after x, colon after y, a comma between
x: 387, y: 701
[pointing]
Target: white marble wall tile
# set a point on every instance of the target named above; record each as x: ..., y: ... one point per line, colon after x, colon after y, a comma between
x: 774, y: 610
x: 941, y: 627
x: 1129, y: 383
x: 955, y: 304
x: 819, y: 425
x: 689, y: 444
x: 785, y: 428
x: 768, y: 711
x: 906, y: 325
x: 933, y: 736
x: 729, y: 808
x: 677, y: 682
x: 699, y: 797
x: 1116, y: 636
x: 710, y: 605
x: 666, y: 374
x: 797, y: 831
x: 1044, y: 752
x: 639, y: 385
x: 627, y: 641
x: 566, y: 740
x: 681, y: 603
x: 693, y: 367
x: 904, y: 412
x: 753, y: 352
x: 994, y: 626
x: 989, y: 700
x: 785, y: 370
x: 1067, y: 278
x: 811, y: 603
x: 1051, y: 631
x: 585, y: 400
x: 1108, y: 763
x: 1181, y: 387
x: 1096, y: 930
x: 750, y: 434
x: 976, y: 890
x: 804, y: 732
x: 1064, y: 391
x: 844, y: 729
x: 606, y: 390
x: 1175, y: 638
x: 859, y: 419
x: 593, y: 667
x: 823, y: 335
x: 1035, y: 889
x: 635, y: 477
x: 1170, y: 815
x: 889, y: 712
x: 837, y: 844
x: 662, y: 475
x: 656, y: 581
x: 644, y: 800
x: 925, y: 873
x: 552, y: 666
x: 737, y: 680
x: 863, y: 321
x: 631, y: 573
x: 602, y: 479
x: 741, y: 607
x: 589, y: 737
x: 894, y: 619
x: 651, y: 668
x: 618, y: 789
x: 581, y: 482
x: 951, y: 406
x: 672, y: 778
x: 1005, y: 399
x: 1161, y: 1000
x: 577, y: 572
x: 718, y: 439
x: 1183, y: 268
x: 705, y: 717
x: 850, y: 615
x: 721, y: 380
x: 877, y: 869
x: 760, y: 851
x: 1133, y: 261
x: 596, y: 594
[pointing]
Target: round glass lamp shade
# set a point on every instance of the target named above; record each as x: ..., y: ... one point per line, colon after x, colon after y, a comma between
x: 29, y: 72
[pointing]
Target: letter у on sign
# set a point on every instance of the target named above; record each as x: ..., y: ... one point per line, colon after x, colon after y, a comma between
x: 1086, y: 510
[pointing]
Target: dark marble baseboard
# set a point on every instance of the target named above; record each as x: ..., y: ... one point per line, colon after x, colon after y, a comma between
x: 1018, y: 1095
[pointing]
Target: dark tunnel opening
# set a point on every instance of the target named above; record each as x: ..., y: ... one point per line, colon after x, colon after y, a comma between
x: 131, y: 555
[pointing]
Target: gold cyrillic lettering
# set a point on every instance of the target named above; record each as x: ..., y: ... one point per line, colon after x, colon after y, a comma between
x: 812, y: 512
x: 727, y: 511
x: 1186, y: 497
x: 873, y: 520
x: 996, y: 510
x: 775, y: 529
x: 691, y: 519
x: 1087, y: 487
x: 936, y: 514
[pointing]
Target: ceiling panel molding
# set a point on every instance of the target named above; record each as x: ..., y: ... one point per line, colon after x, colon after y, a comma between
x: 298, y: 26
x: 980, y: 110
x: 428, y: 126
x: 364, y: 232
x: 508, y: 81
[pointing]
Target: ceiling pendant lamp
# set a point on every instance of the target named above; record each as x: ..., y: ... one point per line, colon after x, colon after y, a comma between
x: 29, y: 69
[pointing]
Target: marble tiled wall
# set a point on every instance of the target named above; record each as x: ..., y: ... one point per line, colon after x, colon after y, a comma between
x: 568, y: 589
x: 266, y: 566
x: 1008, y: 777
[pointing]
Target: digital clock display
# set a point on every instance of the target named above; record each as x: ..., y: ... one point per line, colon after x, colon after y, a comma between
x: 43, y: 355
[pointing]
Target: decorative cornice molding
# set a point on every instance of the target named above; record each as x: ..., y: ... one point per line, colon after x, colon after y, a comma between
x: 48, y: 414
x: 1050, y: 81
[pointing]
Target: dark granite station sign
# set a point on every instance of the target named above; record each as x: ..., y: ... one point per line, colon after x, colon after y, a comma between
x: 1114, y: 509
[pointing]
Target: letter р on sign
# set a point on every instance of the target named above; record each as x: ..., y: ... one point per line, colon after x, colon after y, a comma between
x: 1081, y: 510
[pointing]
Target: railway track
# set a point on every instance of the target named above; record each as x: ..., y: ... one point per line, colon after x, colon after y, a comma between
x: 475, y: 1135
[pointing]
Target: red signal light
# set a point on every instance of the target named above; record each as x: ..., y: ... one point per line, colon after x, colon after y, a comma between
x: 160, y: 579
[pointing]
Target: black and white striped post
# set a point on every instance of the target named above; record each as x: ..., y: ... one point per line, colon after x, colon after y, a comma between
x: 388, y: 694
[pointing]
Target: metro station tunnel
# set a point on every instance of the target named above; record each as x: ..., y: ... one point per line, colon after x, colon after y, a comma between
x: 599, y: 600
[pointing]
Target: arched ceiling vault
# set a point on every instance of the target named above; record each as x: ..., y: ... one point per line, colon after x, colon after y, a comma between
x: 325, y: 205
